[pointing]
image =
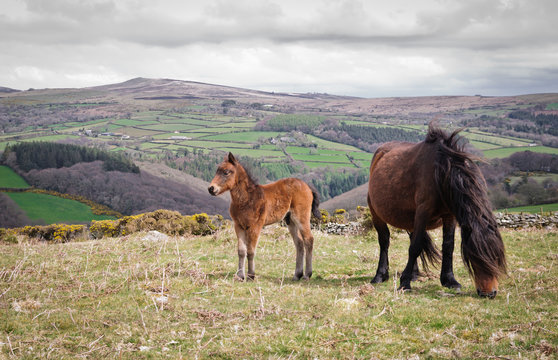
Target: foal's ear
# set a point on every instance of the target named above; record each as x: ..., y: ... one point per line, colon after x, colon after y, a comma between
x: 231, y: 158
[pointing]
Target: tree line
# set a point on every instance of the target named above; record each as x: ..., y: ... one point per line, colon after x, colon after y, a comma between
x: 513, y: 181
x: 46, y: 155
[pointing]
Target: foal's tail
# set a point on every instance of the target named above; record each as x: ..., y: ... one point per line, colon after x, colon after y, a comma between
x: 462, y: 188
x: 315, y: 203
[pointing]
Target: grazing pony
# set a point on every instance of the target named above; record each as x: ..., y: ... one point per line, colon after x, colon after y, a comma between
x: 254, y: 206
x: 423, y: 186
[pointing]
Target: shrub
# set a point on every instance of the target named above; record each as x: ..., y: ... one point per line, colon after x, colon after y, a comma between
x: 53, y: 232
x: 165, y: 221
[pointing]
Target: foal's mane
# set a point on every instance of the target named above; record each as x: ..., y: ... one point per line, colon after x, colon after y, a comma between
x: 251, y: 179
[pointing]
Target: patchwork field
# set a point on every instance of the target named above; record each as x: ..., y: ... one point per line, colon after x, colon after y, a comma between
x: 144, y: 297
x: 52, y: 209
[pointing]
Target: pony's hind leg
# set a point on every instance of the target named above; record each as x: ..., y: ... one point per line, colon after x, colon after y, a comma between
x: 446, y: 275
x: 299, y: 246
x: 382, y: 273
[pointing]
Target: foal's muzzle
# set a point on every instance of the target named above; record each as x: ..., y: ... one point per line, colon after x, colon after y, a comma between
x: 212, y: 190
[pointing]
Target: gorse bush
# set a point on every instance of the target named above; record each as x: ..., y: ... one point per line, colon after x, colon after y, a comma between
x: 53, y: 232
x: 165, y: 221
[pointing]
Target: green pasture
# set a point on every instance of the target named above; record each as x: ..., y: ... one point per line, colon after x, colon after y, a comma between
x: 52, y: 209
x: 52, y: 138
x: 323, y: 158
x: 505, y: 152
x: 9, y: 179
x: 133, y: 122
x: 169, y: 127
x: 493, y: 139
x: 234, y: 125
x: 255, y: 153
x: 483, y: 145
x: 534, y: 209
x: 177, y: 297
x: 330, y: 145
x: 137, y: 132
x: 196, y: 121
x: 553, y: 106
x: 246, y: 136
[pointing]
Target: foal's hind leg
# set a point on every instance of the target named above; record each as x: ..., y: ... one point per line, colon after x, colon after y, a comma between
x: 446, y: 275
x: 308, y: 240
x: 382, y: 273
x: 299, y: 246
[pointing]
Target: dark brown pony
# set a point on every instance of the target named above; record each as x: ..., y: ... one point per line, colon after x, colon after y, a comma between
x: 254, y: 206
x: 423, y: 186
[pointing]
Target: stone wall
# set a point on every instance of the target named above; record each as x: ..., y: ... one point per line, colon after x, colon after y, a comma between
x: 524, y: 220
x: 511, y: 221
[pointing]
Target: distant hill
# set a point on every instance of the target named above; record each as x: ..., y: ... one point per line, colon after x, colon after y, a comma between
x: 348, y: 200
x: 190, y: 126
x: 130, y: 193
x: 7, y: 90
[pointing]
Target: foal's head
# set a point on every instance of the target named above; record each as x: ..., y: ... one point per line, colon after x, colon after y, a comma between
x: 225, y: 177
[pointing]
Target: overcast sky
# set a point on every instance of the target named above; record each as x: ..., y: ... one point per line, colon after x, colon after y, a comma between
x: 360, y: 48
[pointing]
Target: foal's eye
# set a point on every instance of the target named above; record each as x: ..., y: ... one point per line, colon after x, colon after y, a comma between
x: 226, y: 172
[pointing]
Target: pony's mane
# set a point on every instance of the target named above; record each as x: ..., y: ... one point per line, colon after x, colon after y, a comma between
x: 462, y: 188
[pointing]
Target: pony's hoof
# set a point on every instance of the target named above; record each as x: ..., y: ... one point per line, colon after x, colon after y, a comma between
x: 490, y: 295
x: 251, y: 277
x: 452, y: 284
x: 379, y: 278
x: 238, y: 277
x: 297, y: 276
x: 404, y: 287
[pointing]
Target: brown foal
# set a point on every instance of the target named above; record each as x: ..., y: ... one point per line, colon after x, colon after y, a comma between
x: 254, y: 206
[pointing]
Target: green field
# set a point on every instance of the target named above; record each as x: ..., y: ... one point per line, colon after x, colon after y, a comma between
x: 53, y: 209
x: 534, y: 209
x: 136, y: 298
x: 9, y: 179
x: 505, y: 152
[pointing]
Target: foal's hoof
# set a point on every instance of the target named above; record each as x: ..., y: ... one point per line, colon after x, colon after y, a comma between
x: 238, y: 277
x: 251, y: 277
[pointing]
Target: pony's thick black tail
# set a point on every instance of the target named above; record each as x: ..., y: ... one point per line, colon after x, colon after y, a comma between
x: 462, y: 188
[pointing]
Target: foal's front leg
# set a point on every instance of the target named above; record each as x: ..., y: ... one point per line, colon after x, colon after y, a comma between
x: 242, y: 250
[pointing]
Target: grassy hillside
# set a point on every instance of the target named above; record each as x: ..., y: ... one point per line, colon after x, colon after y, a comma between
x: 140, y: 298
x: 53, y: 209
x: 9, y: 179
